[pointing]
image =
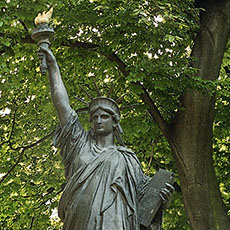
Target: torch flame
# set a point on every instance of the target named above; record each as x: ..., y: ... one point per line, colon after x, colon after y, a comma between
x: 44, y: 17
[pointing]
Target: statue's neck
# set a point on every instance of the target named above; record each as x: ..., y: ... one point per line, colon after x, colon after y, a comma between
x: 105, y: 141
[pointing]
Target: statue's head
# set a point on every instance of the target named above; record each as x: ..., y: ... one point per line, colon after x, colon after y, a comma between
x: 107, y: 110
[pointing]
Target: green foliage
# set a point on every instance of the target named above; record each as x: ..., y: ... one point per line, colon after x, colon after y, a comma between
x: 152, y: 38
x: 222, y: 130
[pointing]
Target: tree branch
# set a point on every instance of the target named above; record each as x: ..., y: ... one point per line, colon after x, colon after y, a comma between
x: 155, y: 113
x: 122, y: 67
x: 24, y: 25
x: 38, y: 142
x: 22, y: 154
x: 13, y: 167
x: 27, y: 39
x: 85, y: 45
x: 32, y: 222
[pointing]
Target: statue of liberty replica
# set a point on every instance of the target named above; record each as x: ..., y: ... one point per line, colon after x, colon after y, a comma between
x: 105, y: 182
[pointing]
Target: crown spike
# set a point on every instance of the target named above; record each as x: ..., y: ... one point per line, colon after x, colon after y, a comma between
x: 87, y: 93
x: 81, y: 100
x: 97, y: 89
x: 110, y: 91
x: 83, y: 110
x: 129, y: 106
x: 119, y: 100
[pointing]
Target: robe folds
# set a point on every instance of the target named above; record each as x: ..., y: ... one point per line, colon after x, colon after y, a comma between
x: 103, y: 187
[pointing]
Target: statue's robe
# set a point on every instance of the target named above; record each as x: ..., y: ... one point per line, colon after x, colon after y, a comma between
x: 103, y: 187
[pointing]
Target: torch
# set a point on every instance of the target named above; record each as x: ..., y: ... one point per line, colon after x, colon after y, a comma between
x: 42, y: 33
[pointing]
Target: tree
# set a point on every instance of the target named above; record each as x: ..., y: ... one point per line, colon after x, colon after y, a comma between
x: 165, y: 55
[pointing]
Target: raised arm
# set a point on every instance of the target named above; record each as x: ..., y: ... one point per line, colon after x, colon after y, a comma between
x: 58, y: 91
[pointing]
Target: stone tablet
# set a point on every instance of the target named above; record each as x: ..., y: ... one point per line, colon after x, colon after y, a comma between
x: 151, y: 202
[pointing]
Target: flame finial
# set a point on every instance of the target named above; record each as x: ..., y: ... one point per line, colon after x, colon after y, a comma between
x: 44, y: 17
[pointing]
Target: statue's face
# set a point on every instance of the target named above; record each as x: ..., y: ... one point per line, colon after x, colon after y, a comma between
x: 102, y: 123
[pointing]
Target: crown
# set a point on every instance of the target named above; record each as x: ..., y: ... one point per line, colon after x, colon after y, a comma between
x: 105, y: 103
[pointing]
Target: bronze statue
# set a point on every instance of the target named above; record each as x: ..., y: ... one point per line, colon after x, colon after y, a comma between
x: 105, y: 182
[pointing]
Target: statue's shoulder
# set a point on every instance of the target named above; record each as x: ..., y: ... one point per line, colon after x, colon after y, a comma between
x: 125, y: 150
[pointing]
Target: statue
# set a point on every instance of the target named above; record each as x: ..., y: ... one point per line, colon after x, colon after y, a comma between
x: 105, y: 182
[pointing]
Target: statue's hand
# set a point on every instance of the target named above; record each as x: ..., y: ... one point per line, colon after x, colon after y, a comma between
x: 166, y: 194
x: 50, y: 58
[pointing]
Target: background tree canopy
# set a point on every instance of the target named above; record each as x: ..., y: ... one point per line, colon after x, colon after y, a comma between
x: 168, y: 58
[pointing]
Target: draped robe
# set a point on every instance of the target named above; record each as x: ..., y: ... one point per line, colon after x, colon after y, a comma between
x: 103, y: 187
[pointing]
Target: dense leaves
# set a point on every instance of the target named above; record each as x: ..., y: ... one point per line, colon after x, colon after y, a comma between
x: 120, y: 44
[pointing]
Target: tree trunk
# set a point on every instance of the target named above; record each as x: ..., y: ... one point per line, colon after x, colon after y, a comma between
x: 192, y: 130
